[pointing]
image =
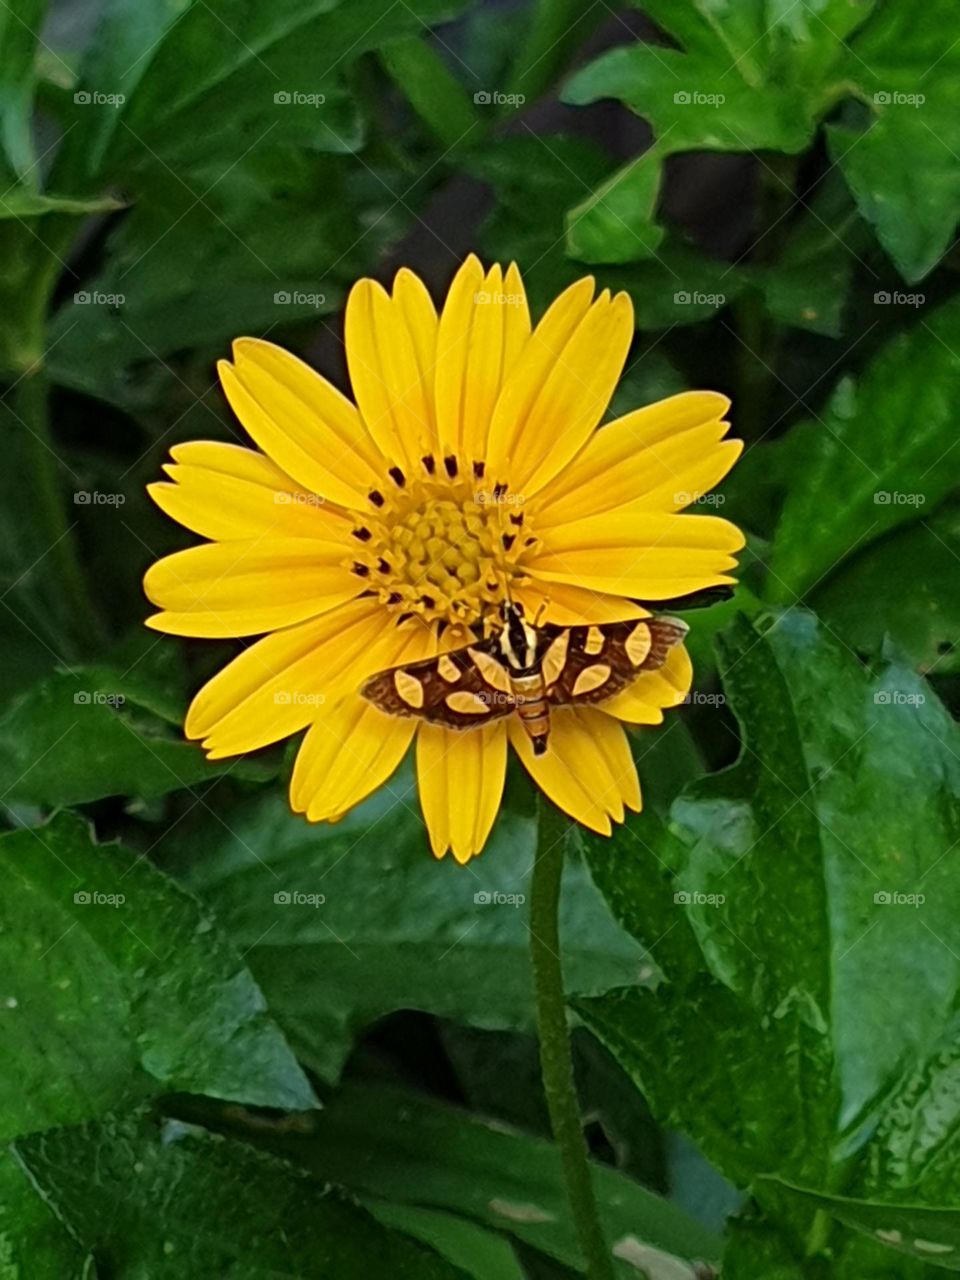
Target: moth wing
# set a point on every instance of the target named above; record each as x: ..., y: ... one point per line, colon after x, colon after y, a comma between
x: 461, y: 689
x: 594, y: 663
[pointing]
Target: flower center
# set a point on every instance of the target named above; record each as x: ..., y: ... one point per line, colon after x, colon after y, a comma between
x: 444, y: 545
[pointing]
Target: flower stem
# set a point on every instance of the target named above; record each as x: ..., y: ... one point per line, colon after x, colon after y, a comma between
x: 556, y: 1063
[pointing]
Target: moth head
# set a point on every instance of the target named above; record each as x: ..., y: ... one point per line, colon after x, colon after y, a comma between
x: 518, y: 640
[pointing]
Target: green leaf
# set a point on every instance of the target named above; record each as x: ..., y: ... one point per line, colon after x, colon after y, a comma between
x: 20, y: 23
x: 481, y: 1254
x: 182, y: 273
x: 864, y: 601
x: 33, y: 1243
x: 909, y: 76
x: 187, y: 84
x: 535, y: 179
x: 432, y: 90
x: 115, y: 987
x: 747, y: 77
x: 836, y: 936
x: 333, y: 954
x: 405, y: 1148
x: 929, y: 1235
x: 875, y: 460
x: 616, y: 221
x: 81, y: 734
x: 156, y: 1201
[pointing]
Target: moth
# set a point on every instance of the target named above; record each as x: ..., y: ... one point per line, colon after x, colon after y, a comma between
x: 524, y: 670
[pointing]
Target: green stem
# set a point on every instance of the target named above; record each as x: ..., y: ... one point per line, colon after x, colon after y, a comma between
x: 556, y: 1063
x: 31, y: 404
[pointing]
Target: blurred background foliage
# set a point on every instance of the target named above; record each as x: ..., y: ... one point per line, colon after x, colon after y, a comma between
x: 765, y: 964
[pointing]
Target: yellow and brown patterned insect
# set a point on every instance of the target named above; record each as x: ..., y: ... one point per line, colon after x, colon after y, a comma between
x: 523, y: 670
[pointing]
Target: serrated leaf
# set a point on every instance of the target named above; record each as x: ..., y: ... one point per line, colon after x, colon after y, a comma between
x: 746, y: 77
x: 115, y: 987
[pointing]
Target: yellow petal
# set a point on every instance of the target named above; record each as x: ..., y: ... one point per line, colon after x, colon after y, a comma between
x: 649, y: 557
x: 350, y: 750
x: 302, y: 421
x: 389, y: 384
x: 643, y: 701
x: 284, y: 681
x: 661, y: 458
x: 587, y: 769
x: 568, y: 606
x: 244, y: 495
x: 561, y: 387
x: 246, y: 588
x: 484, y: 327
x: 460, y: 776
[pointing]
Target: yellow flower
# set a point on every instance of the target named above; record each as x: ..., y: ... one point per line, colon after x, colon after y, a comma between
x: 359, y: 537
